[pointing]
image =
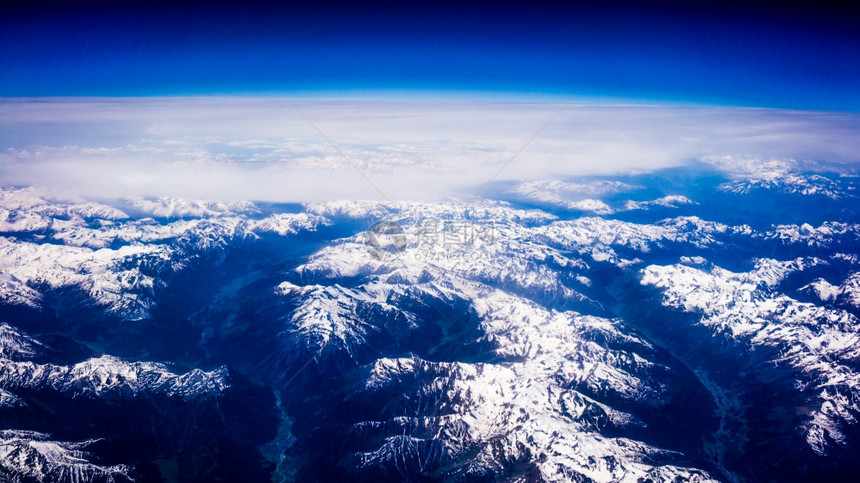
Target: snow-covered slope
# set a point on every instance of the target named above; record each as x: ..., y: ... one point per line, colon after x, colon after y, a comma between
x: 671, y: 201
x: 601, y: 238
x: 112, y: 277
x: 580, y: 195
x: 557, y: 375
x: 343, y: 293
x: 31, y: 456
x: 547, y: 404
x: 16, y: 345
x: 822, y: 236
x: 180, y: 207
x: 846, y: 293
x: 108, y: 375
x: 42, y: 202
x: 118, y: 262
x: 95, y: 377
x: 105, y: 384
x: 491, y: 341
x: 785, y: 176
x: 821, y: 344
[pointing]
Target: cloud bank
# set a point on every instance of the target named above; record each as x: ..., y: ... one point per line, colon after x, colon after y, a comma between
x: 310, y: 150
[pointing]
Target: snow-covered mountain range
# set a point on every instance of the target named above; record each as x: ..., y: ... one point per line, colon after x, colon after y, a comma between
x: 602, y: 330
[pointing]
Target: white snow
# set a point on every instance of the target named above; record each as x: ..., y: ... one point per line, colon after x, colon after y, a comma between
x: 194, y: 208
x: 819, y: 342
x: 670, y: 201
x: 28, y: 455
x: 554, y: 358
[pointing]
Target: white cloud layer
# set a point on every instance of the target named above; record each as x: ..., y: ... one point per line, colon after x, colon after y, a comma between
x: 269, y: 149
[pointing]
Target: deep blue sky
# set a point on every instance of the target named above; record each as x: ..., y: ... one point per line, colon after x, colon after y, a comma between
x: 721, y: 54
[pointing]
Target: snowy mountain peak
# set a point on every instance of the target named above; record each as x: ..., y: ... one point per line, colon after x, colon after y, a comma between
x: 181, y: 207
x: 17, y: 346
x: 32, y: 456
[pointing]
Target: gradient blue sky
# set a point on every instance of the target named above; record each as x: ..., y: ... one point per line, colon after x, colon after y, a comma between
x: 708, y: 54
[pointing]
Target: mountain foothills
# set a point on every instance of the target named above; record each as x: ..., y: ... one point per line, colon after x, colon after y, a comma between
x: 690, y: 324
